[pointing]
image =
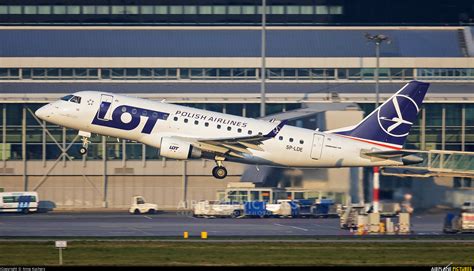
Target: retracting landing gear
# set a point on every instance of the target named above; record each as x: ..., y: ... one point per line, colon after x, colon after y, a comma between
x: 85, y: 142
x: 219, y: 171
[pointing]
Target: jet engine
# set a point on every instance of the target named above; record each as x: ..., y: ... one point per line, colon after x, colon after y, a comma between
x: 179, y: 149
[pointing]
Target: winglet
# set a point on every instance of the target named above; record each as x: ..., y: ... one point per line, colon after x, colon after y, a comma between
x: 277, y: 129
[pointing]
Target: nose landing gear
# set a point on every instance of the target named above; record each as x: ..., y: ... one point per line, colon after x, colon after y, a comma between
x: 219, y: 171
x: 85, y: 142
x: 83, y: 150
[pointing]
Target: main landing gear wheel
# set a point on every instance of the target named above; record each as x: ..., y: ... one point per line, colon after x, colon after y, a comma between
x: 219, y: 172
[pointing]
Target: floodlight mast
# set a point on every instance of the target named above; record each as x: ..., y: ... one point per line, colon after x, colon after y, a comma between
x: 378, y: 39
x: 263, y: 56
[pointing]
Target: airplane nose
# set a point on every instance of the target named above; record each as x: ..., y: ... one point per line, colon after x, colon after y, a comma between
x: 42, y: 112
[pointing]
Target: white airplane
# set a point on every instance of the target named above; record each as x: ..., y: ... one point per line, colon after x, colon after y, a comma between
x: 182, y: 132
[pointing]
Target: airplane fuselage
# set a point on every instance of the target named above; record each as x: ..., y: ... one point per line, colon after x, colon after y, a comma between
x: 148, y: 122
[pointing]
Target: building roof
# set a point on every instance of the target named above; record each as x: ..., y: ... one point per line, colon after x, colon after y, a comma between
x: 116, y: 42
x: 224, y: 88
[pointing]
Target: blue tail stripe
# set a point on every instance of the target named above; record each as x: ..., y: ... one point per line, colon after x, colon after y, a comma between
x: 391, y: 122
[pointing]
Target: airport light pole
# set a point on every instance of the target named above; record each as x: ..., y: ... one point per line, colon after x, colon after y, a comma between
x: 263, y: 56
x: 377, y: 39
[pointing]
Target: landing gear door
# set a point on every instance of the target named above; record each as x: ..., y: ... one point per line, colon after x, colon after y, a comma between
x: 105, y: 111
x: 317, y: 148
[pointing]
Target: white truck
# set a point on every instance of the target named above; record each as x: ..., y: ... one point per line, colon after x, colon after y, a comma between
x: 140, y: 206
x: 206, y: 208
x: 463, y: 222
x: 468, y: 206
x: 283, y: 208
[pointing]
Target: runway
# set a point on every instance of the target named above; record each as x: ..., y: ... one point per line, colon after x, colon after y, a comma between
x: 122, y: 224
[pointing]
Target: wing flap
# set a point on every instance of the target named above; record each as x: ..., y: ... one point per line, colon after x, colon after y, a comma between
x: 210, y: 147
x: 235, y: 146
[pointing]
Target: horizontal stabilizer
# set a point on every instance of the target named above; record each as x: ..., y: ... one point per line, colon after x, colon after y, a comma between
x: 408, y: 157
x: 390, y: 154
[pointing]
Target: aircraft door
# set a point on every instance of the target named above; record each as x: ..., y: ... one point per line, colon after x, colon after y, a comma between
x: 105, y: 112
x: 317, y: 148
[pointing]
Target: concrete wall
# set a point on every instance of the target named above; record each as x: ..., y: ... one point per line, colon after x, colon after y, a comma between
x: 72, y: 185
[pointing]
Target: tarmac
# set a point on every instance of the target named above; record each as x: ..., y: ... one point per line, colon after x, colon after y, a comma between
x: 169, y: 224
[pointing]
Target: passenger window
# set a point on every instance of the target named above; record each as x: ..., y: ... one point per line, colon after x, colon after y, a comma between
x: 239, y: 130
x: 206, y: 124
x: 76, y: 99
x: 260, y: 133
x: 229, y: 128
x: 218, y: 126
x: 134, y: 111
x: 124, y: 109
x: 175, y: 118
x: 196, y: 122
x: 280, y: 138
x: 291, y: 139
x: 185, y: 120
x: 144, y: 113
x: 301, y: 142
x: 250, y: 132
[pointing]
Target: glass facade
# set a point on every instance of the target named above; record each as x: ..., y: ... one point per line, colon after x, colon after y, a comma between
x: 236, y: 12
x: 445, y: 74
x: 275, y: 74
x: 22, y: 135
x: 447, y: 126
x: 169, y: 10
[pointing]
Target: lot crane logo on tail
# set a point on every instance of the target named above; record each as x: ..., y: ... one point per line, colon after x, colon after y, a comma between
x: 397, y: 124
x: 390, y: 123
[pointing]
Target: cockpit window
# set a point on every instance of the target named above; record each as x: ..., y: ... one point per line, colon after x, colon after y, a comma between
x: 67, y: 97
x: 76, y: 99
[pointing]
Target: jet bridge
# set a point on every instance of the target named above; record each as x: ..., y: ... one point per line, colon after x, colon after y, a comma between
x: 436, y: 163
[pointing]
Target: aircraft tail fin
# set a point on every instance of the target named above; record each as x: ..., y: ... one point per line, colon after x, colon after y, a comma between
x: 390, y: 123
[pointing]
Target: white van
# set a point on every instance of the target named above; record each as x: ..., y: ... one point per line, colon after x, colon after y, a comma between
x: 23, y: 202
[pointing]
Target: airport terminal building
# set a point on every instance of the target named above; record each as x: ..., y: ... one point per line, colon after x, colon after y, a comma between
x: 320, y: 74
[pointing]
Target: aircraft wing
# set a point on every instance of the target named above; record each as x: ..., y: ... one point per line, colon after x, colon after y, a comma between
x: 235, y: 146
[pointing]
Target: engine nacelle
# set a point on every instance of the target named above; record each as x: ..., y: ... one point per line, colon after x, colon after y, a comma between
x: 176, y: 148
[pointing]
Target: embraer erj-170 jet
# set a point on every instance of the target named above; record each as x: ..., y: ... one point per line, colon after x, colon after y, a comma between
x: 182, y: 132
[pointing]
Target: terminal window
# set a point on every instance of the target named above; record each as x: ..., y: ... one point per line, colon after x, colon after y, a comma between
x: 170, y: 9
